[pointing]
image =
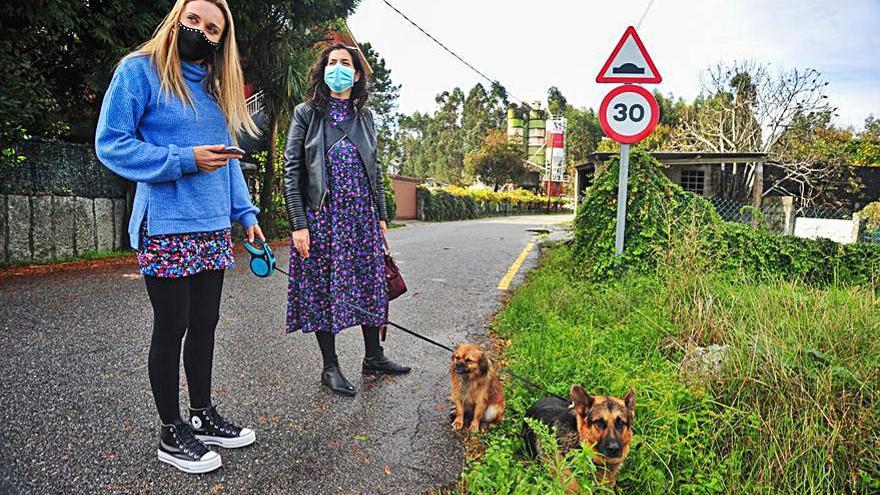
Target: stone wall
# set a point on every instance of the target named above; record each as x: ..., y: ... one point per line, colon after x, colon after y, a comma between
x: 40, y: 228
x: 60, y: 201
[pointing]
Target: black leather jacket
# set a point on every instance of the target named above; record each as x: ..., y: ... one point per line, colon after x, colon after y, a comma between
x: 304, y: 168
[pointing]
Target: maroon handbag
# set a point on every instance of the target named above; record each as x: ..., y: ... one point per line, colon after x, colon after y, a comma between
x: 396, y: 285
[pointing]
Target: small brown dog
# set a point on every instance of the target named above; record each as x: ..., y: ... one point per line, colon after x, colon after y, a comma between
x: 603, y: 421
x: 476, y: 389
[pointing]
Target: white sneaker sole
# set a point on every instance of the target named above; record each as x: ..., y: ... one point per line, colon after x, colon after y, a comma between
x: 247, y: 437
x: 209, y: 463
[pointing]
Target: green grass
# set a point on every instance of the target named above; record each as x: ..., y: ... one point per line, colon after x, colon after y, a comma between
x: 87, y: 256
x: 795, y: 409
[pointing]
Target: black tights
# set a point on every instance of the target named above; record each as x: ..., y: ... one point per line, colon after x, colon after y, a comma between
x: 191, y: 306
x: 327, y: 343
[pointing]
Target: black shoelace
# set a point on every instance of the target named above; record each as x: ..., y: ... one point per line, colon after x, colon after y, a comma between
x: 187, y: 442
x: 221, y: 424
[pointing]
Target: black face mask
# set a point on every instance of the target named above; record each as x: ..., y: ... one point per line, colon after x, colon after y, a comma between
x: 193, y: 44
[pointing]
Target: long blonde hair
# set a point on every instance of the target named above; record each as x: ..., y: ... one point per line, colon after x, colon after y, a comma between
x: 225, y: 78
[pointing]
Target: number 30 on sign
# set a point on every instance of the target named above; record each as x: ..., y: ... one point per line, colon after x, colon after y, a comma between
x: 628, y: 114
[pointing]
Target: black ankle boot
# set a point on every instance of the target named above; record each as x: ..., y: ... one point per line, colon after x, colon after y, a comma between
x: 378, y: 364
x: 333, y: 379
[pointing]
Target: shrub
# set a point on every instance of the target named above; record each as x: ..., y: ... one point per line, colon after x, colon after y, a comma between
x: 659, y: 212
x: 819, y: 262
x: 656, y: 212
x: 458, y: 203
x: 390, y: 202
x: 440, y: 205
x: 871, y: 214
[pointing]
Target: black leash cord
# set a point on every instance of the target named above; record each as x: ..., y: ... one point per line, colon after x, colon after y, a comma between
x: 523, y: 380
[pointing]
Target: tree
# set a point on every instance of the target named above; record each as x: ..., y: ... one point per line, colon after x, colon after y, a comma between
x: 277, y: 41
x: 824, y: 155
x: 583, y: 134
x: 496, y: 161
x: 476, y: 118
x: 383, y: 101
x: 435, y: 144
x: 444, y: 131
x: 58, y: 57
x: 556, y: 103
x: 744, y: 107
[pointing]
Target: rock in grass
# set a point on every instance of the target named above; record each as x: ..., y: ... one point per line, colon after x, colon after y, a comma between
x: 703, y: 364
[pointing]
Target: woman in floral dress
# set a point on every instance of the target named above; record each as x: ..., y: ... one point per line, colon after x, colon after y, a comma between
x: 336, y: 208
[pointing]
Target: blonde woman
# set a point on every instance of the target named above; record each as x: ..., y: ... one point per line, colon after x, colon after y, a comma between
x: 172, y: 109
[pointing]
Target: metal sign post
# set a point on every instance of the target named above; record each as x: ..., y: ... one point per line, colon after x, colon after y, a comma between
x: 628, y: 113
x: 622, y: 185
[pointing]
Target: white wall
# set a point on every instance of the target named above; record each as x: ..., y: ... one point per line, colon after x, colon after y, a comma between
x: 812, y: 228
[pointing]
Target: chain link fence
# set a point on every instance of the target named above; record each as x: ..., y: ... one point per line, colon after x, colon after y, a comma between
x: 61, y: 169
x: 781, y: 215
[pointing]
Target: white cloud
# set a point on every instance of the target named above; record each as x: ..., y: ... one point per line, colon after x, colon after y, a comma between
x: 529, y: 46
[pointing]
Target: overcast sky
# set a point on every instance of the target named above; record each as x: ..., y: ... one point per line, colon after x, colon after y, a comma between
x: 530, y: 46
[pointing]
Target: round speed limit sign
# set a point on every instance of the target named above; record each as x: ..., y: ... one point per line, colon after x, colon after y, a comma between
x: 628, y: 114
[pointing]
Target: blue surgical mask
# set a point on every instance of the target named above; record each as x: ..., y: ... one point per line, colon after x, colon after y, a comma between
x: 338, y: 77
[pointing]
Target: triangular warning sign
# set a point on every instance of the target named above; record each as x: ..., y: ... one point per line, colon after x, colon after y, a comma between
x: 629, y: 62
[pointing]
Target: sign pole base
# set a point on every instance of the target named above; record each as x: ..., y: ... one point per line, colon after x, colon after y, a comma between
x: 622, y: 185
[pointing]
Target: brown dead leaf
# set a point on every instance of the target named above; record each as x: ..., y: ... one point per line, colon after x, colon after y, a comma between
x: 387, y: 470
x: 216, y: 488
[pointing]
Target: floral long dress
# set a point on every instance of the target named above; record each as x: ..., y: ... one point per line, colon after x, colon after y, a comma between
x: 345, y: 263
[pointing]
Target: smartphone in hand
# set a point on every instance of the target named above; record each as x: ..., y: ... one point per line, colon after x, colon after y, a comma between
x: 232, y: 150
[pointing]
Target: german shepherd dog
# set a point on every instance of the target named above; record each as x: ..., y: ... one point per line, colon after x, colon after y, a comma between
x: 476, y: 389
x: 603, y: 421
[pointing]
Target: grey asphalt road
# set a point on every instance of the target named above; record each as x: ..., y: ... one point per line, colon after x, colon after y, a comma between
x: 78, y: 417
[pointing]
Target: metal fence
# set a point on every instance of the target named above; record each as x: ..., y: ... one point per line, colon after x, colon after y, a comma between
x: 782, y: 216
x: 61, y: 169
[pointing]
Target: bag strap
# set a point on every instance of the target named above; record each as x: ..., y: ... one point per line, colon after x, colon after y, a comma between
x: 385, y: 244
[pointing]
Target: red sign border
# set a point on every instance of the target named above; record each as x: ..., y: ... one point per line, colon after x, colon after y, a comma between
x: 635, y: 138
x: 654, y: 80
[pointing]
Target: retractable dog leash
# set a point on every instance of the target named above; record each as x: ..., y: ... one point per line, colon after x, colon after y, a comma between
x: 263, y: 264
x: 262, y: 259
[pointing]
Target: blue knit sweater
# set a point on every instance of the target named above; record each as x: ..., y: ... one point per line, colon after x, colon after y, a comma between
x: 146, y: 139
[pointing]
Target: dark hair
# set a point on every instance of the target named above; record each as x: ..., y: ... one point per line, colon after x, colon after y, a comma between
x: 318, y: 92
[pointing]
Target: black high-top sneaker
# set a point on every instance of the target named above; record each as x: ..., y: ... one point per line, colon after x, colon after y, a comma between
x: 212, y: 429
x: 180, y: 448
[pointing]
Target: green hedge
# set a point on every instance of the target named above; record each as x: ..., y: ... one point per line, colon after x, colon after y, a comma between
x: 439, y: 205
x: 820, y: 262
x: 660, y: 213
x: 458, y: 203
x: 654, y: 213
x: 390, y: 202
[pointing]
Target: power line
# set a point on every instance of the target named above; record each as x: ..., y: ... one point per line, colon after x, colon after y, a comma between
x: 465, y: 62
x: 639, y: 24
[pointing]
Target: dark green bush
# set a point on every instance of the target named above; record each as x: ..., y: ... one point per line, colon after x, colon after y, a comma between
x: 390, y: 202
x: 819, y: 262
x: 659, y: 211
x: 439, y: 205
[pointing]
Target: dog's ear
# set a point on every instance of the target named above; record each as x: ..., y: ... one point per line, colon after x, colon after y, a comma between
x: 484, y: 364
x: 630, y: 400
x: 581, y: 400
